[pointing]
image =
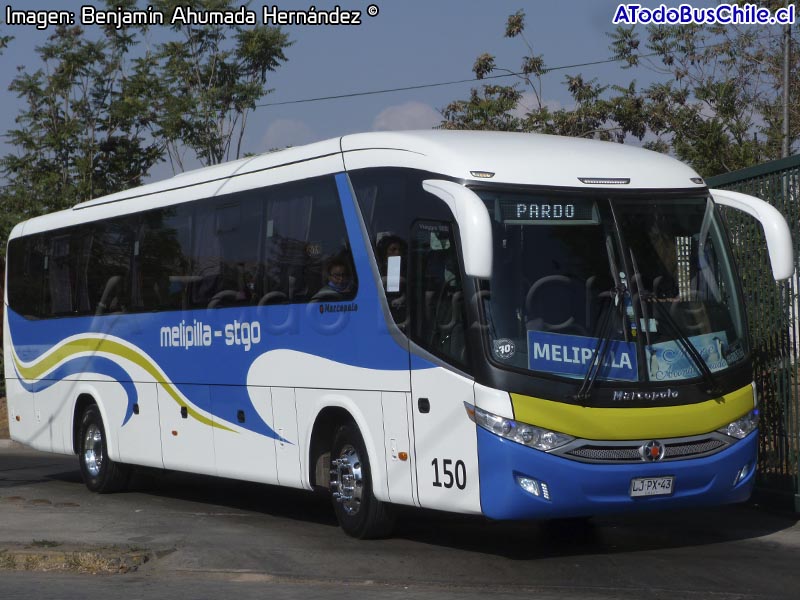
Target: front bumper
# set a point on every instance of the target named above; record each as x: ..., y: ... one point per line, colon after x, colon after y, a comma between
x: 579, y: 489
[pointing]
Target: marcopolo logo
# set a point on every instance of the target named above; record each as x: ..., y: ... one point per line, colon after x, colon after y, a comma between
x: 337, y: 308
x: 632, y: 395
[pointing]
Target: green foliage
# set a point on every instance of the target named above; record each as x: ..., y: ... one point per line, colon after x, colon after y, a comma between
x: 599, y: 111
x: 209, y: 83
x: 84, y: 129
x: 103, y: 110
x: 716, y: 104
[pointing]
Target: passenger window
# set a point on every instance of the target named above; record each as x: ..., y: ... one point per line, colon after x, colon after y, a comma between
x: 281, y: 244
x: 225, y: 252
x: 26, y: 270
x: 107, y: 274
x: 60, y: 276
x: 164, y: 269
x: 305, y: 235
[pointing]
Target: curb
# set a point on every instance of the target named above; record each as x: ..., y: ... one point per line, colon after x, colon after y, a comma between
x: 9, y: 444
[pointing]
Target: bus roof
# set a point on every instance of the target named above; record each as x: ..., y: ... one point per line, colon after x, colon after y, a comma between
x: 524, y: 158
x: 479, y: 156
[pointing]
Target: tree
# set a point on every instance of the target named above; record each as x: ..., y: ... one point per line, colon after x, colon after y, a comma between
x: 102, y: 111
x: 209, y: 86
x: 5, y: 227
x: 600, y: 111
x: 716, y: 103
x: 84, y: 129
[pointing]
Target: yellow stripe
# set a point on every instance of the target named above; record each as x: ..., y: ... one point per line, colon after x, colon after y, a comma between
x: 97, y: 345
x: 633, y: 423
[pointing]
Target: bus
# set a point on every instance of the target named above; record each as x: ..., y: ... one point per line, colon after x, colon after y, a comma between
x: 512, y: 325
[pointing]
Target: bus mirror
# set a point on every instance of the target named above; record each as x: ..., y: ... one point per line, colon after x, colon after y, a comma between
x: 474, y: 224
x: 779, y: 238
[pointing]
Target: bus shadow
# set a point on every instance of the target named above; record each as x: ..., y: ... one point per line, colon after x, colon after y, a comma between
x: 640, y: 532
x: 515, y: 540
x: 248, y: 497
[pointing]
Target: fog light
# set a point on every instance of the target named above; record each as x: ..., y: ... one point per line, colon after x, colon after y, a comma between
x: 532, y: 486
x: 742, y: 474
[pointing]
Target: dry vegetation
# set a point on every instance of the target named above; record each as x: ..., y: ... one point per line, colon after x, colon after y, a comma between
x: 47, y: 556
x: 3, y: 419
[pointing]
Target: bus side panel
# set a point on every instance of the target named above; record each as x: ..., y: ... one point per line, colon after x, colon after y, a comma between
x: 54, y: 402
x: 21, y: 420
x: 186, y: 432
x: 445, y: 442
x: 397, y: 446
x: 243, y: 454
x: 20, y: 401
x: 287, y: 446
x: 138, y: 433
x: 365, y: 408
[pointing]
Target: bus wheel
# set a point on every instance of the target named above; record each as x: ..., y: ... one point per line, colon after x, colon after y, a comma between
x: 100, y: 473
x: 359, y: 513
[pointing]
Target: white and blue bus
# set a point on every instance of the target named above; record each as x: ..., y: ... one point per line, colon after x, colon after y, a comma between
x: 514, y: 325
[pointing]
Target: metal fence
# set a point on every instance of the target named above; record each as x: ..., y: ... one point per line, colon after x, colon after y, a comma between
x: 772, y: 310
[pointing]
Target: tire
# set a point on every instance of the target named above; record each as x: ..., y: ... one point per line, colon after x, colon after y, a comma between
x: 359, y: 513
x: 100, y: 473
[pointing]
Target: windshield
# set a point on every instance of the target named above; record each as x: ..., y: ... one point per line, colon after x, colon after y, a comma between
x: 644, y: 283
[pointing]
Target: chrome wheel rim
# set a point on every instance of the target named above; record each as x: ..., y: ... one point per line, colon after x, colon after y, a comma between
x: 93, y: 450
x: 347, y: 482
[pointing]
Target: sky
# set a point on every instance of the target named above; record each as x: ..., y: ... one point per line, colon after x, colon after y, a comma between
x: 408, y: 43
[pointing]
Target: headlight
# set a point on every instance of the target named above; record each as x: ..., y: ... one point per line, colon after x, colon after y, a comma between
x: 743, y: 426
x: 522, y: 433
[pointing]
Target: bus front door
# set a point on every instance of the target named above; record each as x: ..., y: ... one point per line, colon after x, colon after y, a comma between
x: 445, y: 441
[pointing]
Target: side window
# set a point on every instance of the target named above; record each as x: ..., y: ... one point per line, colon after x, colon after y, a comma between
x: 225, y: 251
x: 108, y: 271
x: 307, y: 254
x: 282, y: 244
x: 239, y: 238
x: 26, y: 269
x: 438, y: 320
x: 416, y: 255
x: 163, y: 259
x: 60, y: 274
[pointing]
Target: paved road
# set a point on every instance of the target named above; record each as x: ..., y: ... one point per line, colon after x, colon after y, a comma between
x: 211, y: 537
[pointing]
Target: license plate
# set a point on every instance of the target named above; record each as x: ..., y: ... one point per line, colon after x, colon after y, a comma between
x: 652, y: 486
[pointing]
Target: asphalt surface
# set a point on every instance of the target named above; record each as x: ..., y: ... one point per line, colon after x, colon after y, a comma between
x: 205, y: 538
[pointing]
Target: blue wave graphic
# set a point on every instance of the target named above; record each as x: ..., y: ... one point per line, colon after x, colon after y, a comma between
x: 87, y: 364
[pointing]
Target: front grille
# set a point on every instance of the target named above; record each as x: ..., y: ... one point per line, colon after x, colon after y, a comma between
x: 628, y: 451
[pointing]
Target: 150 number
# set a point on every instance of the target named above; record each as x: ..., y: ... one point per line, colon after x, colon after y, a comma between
x: 457, y: 477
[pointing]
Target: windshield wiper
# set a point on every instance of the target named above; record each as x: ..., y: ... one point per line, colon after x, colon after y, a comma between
x: 605, y: 333
x: 606, y: 329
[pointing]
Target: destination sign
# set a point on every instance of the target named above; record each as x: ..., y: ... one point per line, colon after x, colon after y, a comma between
x: 541, y: 212
x: 573, y: 355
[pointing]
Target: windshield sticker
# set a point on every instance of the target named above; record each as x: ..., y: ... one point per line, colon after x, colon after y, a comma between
x: 504, y: 348
x: 572, y: 355
x: 667, y: 361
